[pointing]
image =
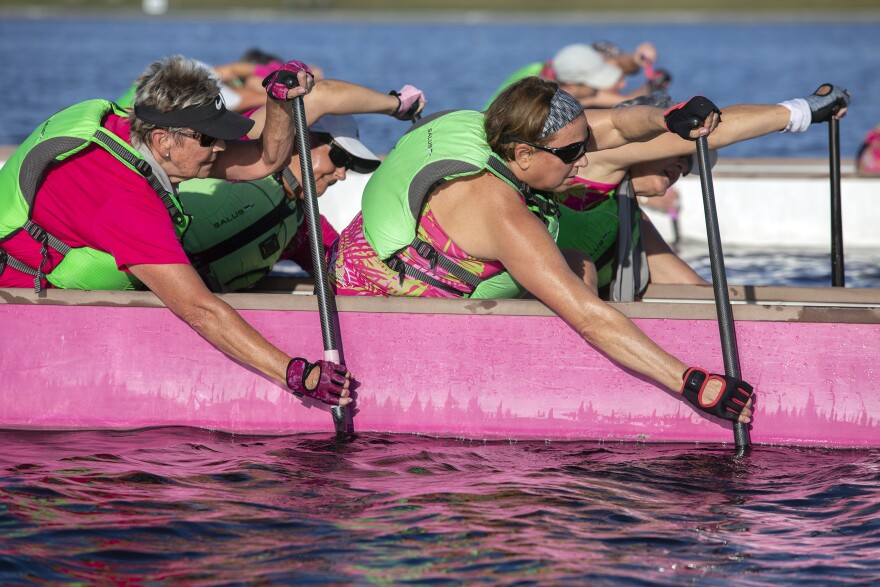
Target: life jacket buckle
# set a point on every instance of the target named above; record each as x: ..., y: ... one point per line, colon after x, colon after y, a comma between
x: 427, y: 252
x: 37, y: 233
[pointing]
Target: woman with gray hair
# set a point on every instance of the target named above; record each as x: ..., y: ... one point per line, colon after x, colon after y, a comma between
x: 463, y: 207
x: 89, y: 201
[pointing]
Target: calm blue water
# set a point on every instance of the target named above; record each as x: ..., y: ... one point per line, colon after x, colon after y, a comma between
x: 178, y: 506
x: 188, y: 507
x: 49, y: 64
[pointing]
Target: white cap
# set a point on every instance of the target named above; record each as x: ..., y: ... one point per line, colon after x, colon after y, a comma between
x: 581, y: 64
x: 344, y: 131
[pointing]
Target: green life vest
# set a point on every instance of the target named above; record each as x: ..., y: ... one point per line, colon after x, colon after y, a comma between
x: 126, y: 100
x: 440, y: 148
x: 64, y: 134
x: 620, y: 262
x: 238, y: 230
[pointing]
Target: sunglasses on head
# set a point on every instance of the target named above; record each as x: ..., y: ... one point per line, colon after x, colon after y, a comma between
x: 203, y: 139
x: 568, y: 153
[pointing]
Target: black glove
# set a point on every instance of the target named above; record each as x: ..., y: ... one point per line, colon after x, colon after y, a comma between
x: 680, y: 118
x: 733, y: 397
x: 660, y: 81
x: 823, y: 107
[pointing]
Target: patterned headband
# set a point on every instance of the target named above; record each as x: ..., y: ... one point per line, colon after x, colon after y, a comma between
x: 563, y: 109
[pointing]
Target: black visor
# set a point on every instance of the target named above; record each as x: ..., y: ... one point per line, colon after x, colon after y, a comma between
x: 211, y: 119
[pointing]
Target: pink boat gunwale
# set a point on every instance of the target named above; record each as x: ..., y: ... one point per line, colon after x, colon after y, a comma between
x: 479, y: 369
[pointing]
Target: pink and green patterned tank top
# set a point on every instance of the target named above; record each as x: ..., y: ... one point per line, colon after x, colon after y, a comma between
x: 356, y: 269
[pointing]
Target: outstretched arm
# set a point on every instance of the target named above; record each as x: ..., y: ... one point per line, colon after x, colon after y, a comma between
x: 330, y: 96
x: 738, y: 123
x: 182, y: 290
x: 619, y: 126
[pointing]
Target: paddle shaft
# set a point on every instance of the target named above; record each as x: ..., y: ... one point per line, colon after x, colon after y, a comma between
x: 326, y: 308
x: 719, y: 282
x: 837, y: 279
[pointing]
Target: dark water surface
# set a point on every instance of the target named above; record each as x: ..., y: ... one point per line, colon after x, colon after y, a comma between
x: 48, y: 64
x: 179, y: 506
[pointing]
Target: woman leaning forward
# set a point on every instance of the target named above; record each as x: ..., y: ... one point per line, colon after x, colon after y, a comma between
x: 463, y: 207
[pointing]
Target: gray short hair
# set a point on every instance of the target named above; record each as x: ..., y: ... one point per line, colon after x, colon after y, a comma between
x: 172, y: 83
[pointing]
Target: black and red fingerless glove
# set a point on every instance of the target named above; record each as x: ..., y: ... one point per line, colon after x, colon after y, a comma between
x: 729, y: 402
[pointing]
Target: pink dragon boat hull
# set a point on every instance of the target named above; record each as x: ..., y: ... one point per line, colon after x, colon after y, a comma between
x: 452, y: 368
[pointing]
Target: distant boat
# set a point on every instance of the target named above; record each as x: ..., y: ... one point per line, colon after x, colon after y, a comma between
x: 479, y: 369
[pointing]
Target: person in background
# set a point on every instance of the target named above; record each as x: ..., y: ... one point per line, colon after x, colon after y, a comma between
x: 600, y: 218
x: 868, y: 156
x: 239, y: 230
x: 240, y: 82
x: 474, y: 217
x: 583, y: 72
x: 91, y: 202
x: 630, y: 63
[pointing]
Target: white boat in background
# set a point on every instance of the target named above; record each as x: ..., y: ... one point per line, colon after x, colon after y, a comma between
x: 777, y: 202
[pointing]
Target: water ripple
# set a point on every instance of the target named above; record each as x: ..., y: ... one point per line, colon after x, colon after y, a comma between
x: 191, y: 507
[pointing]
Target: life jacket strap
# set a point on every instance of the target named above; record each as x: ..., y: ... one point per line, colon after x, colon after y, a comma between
x: 288, y: 176
x: 146, y: 170
x: 38, y: 233
x: 546, y: 206
x: 436, y: 258
x: 272, y: 219
x: 405, y: 270
x: 7, y: 260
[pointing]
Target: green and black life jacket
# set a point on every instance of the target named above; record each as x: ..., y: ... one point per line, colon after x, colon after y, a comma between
x: 440, y: 148
x: 64, y: 134
x: 238, y: 230
x: 609, y: 231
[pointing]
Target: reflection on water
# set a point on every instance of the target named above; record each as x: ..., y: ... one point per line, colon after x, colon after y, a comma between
x: 190, y: 507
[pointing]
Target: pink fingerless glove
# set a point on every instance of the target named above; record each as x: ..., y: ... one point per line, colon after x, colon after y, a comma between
x: 408, y: 97
x: 330, y: 383
x: 281, y: 80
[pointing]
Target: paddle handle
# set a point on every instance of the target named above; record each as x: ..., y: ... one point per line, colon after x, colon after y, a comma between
x: 326, y: 307
x: 837, y: 279
x: 719, y: 282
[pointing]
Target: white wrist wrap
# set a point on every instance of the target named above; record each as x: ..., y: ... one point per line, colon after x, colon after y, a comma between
x: 800, y: 115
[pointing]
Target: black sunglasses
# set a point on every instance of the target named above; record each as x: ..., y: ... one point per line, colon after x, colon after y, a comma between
x: 568, y: 153
x: 203, y: 139
x: 340, y: 157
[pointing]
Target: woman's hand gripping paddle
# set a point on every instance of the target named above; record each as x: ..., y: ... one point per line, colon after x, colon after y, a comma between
x: 326, y: 306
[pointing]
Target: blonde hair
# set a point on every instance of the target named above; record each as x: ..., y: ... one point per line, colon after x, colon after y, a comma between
x: 172, y: 83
